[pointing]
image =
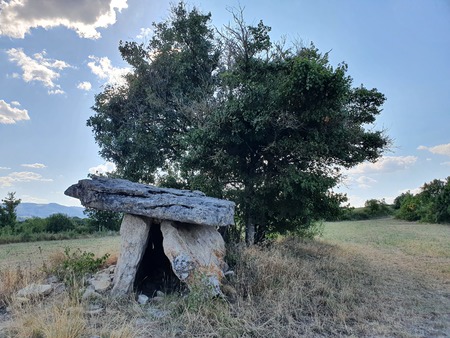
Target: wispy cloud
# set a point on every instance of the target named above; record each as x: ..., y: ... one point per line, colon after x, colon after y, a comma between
x: 39, y: 68
x: 86, y: 85
x: 34, y: 165
x: 441, y: 149
x: 21, y: 176
x: 365, y: 182
x: 18, y: 17
x: 103, y: 69
x: 10, y: 113
x: 144, y: 33
x: 384, y: 165
x: 104, y: 168
x: 5, y: 168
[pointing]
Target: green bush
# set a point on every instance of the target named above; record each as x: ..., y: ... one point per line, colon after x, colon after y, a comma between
x: 59, y: 223
x: 377, y: 208
x: 431, y: 205
x: 32, y: 225
x: 76, y: 265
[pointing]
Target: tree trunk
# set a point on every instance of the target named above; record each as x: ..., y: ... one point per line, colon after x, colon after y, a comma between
x: 250, y: 230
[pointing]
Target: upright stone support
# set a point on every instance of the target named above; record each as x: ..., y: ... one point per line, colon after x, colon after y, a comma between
x: 133, y: 242
x: 196, y: 253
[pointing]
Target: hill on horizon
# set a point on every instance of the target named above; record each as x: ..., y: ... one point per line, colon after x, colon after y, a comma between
x: 29, y: 210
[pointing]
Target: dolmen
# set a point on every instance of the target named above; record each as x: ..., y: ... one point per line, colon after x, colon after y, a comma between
x: 169, y: 237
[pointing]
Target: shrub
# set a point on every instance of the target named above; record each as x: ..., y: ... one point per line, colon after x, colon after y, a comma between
x: 75, y: 265
x: 59, y: 223
x: 377, y: 208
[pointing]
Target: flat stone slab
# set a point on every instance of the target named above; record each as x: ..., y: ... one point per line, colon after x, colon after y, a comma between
x: 184, y: 206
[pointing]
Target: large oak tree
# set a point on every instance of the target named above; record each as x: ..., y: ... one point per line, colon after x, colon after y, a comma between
x: 238, y: 117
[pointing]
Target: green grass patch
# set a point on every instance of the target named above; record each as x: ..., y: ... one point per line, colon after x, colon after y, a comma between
x: 409, y: 237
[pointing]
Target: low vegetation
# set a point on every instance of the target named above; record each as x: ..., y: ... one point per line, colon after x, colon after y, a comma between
x: 380, y: 277
x: 54, y: 227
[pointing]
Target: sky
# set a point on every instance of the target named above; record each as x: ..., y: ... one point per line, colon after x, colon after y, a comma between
x: 56, y: 55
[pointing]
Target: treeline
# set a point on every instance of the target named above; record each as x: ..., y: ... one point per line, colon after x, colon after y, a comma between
x: 54, y: 227
x: 431, y: 205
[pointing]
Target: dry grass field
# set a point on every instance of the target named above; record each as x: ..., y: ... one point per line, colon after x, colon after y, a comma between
x: 382, y: 278
x: 35, y: 254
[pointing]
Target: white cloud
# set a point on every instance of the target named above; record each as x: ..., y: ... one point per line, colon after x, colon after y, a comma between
x: 84, y: 86
x: 10, y: 113
x: 22, y: 176
x: 384, y: 165
x: 441, y: 149
x: 39, y: 68
x: 55, y: 92
x: 5, y: 168
x: 365, y: 182
x: 446, y: 163
x: 34, y: 165
x: 144, y: 33
x: 103, y: 168
x: 18, y: 17
x: 414, y: 191
x: 103, y: 69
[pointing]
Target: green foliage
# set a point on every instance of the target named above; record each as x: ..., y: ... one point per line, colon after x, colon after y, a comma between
x: 372, y: 209
x: 76, y: 265
x: 238, y: 117
x: 32, y: 225
x: 310, y: 231
x: 140, y: 126
x: 101, y: 220
x: 409, y: 205
x: 355, y: 214
x: 399, y: 200
x: 8, y: 216
x: 59, y: 223
x: 377, y: 208
x: 431, y: 205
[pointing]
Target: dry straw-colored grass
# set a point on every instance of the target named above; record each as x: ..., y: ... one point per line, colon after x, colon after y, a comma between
x: 286, y: 288
x: 62, y: 320
x: 13, y: 279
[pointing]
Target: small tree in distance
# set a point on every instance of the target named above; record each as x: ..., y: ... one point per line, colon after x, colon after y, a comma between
x: 59, y: 223
x: 100, y: 220
x: 8, y: 215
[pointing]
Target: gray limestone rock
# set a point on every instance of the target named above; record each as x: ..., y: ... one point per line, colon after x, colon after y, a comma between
x: 196, y: 254
x: 161, y: 203
x: 35, y: 291
x: 133, y: 241
x: 142, y: 299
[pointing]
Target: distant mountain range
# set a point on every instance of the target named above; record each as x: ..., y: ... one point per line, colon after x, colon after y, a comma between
x: 29, y: 210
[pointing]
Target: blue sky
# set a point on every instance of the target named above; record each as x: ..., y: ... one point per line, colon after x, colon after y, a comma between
x: 55, y: 55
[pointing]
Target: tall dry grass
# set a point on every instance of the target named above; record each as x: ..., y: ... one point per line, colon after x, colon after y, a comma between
x: 287, y: 288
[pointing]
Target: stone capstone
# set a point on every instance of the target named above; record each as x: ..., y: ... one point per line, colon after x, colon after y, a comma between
x: 184, y: 206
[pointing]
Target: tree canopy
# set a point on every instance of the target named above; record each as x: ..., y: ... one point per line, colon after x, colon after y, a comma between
x: 431, y: 205
x: 238, y: 116
x: 8, y: 215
